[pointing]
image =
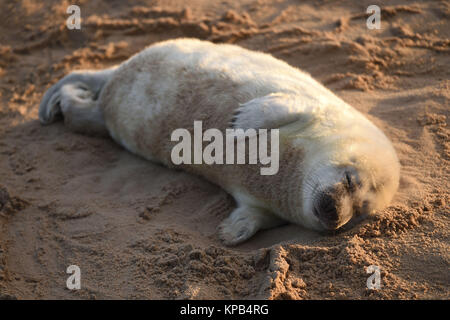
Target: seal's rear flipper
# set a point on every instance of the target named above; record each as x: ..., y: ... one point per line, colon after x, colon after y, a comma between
x: 74, y: 98
x: 270, y: 112
x: 80, y: 110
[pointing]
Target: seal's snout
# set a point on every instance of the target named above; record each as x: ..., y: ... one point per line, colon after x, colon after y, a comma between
x: 333, y: 208
x: 327, y: 211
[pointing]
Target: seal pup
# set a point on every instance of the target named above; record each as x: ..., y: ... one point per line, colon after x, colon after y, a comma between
x: 334, y: 164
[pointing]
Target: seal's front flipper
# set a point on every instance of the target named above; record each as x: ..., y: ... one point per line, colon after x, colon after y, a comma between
x: 272, y: 111
x: 244, y: 222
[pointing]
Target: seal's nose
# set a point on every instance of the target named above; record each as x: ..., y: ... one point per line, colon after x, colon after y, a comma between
x: 328, y: 210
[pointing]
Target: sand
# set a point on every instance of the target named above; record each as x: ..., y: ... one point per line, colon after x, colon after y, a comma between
x: 141, y: 231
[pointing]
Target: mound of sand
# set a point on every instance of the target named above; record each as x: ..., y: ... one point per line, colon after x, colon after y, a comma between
x: 138, y: 230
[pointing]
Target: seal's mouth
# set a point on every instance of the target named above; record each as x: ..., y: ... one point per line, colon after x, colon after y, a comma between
x: 327, y: 224
x: 355, y: 221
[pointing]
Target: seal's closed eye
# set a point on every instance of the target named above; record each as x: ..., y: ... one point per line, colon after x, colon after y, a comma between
x: 351, y: 179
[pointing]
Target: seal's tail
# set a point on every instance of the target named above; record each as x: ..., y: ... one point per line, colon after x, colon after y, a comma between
x: 74, y: 98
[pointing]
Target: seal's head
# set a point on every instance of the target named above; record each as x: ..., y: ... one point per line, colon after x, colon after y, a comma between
x: 354, y: 178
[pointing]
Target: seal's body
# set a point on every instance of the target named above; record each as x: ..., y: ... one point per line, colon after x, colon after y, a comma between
x: 334, y: 163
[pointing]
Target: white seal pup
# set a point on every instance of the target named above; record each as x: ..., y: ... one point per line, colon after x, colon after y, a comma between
x: 334, y: 164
